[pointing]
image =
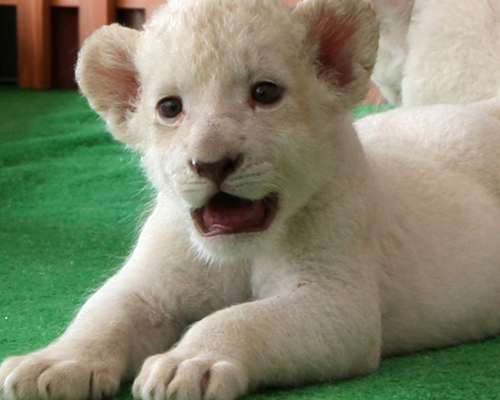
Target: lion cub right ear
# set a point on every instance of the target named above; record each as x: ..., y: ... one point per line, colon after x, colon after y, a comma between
x: 345, y: 36
x: 107, y: 77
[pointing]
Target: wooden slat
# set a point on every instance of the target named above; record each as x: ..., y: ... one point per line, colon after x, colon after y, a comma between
x: 373, y: 96
x: 66, y: 3
x: 54, y: 3
x: 127, y: 4
x: 33, y: 35
x: 130, y: 4
x: 93, y: 14
x: 147, y: 5
x: 151, y: 5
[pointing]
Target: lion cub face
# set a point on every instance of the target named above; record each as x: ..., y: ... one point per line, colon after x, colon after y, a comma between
x: 230, y: 112
x: 226, y: 104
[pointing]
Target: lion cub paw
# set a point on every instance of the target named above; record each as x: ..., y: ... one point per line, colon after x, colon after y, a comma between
x: 195, y: 378
x: 36, y: 376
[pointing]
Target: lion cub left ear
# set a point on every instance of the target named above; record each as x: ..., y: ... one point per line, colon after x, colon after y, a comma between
x: 107, y: 77
x: 344, y: 36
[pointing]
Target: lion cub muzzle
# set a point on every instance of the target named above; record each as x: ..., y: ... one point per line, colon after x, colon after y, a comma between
x: 225, y: 213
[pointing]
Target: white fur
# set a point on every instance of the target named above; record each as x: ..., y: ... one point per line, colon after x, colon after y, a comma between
x: 386, y: 236
x: 438, y: 51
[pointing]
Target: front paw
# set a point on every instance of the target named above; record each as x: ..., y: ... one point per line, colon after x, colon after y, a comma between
x: 51, y: 376
x: 202, y: 376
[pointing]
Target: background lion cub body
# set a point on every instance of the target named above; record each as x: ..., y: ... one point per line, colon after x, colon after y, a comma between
x: 294, y: 248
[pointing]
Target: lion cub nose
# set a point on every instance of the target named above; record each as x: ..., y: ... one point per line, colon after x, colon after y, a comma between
x: 219, y: 170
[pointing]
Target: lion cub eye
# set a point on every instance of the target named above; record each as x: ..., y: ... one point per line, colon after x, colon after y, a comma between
x: 266, y: 93
x: 170, y: 107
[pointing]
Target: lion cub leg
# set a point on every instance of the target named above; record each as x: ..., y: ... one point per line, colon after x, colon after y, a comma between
x: 312, y: 332
x: 141, y: 311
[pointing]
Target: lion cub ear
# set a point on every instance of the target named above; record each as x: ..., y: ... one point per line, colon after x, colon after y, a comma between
x: 344, y: 36
x: 107, y: 77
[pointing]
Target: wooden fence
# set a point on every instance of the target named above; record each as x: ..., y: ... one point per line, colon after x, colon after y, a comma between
x: 35, y: 27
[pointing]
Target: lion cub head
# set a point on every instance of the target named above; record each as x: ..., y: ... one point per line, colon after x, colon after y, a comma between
x: 237, y: 107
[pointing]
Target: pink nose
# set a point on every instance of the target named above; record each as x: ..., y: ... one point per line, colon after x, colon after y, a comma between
x: 219, y: 170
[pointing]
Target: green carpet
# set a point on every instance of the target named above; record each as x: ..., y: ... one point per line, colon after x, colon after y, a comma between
x: 71, y: 201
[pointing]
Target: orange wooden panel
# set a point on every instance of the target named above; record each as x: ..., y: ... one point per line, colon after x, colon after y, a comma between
x: 93, y: 14
x: 139, y: 4
x: 373, y: 96
x: 33, y: 35
x: 8, y: 2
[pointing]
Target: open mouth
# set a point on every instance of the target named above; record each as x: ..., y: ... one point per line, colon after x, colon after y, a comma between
x: 226, y: 214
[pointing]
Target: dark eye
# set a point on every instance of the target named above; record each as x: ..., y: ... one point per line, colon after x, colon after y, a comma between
x: 170, y: 107
x: 266, y: 93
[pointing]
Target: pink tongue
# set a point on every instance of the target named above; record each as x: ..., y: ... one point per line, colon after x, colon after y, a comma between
x: 228, y: 213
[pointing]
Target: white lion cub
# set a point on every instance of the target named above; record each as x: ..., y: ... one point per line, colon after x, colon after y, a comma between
x: 295, y: 246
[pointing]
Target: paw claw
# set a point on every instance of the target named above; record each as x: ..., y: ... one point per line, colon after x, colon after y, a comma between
x: 40, y: 377
x: 165, y: 377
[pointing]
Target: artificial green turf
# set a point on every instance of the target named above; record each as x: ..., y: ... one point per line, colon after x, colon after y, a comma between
x: 71, y: 201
